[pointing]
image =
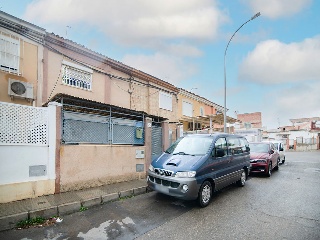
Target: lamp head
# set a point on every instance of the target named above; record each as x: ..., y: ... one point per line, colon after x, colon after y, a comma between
x: 256, y: 15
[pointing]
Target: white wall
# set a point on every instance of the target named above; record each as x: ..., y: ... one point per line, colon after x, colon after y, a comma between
x: 16, y: 160
x: 22, y: 164
x: 302, y: 133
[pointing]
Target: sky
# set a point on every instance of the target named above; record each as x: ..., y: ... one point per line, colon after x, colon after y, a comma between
x: 272, y: 62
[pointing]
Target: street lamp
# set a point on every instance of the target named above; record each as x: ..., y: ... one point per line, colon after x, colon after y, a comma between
x: 225, y: 78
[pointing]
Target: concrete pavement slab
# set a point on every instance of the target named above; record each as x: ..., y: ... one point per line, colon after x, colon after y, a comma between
x: 67, y: 202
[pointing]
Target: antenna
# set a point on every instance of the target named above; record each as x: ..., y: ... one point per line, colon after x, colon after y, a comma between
x: 67, y: 30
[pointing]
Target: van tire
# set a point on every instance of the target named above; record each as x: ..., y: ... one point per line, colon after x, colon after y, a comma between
x: 242, y: 181
x: 284, y: 159
x: 205, y: 194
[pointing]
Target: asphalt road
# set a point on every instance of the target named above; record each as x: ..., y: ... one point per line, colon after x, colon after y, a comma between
x: 284, y: 206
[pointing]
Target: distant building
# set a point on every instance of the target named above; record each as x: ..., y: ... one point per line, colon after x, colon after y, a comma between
x: 250, y: 126
x: 250, y: 120
x: 304, y: 134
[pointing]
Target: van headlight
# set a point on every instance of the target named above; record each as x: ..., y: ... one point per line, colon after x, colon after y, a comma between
x: 151, y: 168
x: 185, y: 174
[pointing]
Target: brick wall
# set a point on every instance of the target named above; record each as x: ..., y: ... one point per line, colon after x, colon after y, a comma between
x: 254, y: 118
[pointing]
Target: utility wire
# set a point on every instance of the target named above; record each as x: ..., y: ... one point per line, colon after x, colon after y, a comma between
x: 25, y: 34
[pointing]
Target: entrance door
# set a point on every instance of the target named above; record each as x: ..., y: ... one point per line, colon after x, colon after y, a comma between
x: 156, y: 141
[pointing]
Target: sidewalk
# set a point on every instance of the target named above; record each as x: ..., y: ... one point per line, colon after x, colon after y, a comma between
x: 66, y: 203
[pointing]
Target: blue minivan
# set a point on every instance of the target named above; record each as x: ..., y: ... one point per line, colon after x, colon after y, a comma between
x: 197, y: 165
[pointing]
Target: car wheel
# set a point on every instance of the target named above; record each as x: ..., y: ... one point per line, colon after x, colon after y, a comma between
x: 242, y: 181
x: 277, y: 166
x: 284, y: 159
x: 269, y: 170
x: 205, y: 194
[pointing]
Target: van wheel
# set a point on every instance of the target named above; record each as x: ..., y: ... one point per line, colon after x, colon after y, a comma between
x: 205, y: 194
x: 284, y: 159
x: 242, y: 181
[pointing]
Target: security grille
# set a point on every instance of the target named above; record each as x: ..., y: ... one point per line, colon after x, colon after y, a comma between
x: 76, y: 131
x: 76, y: 78
x: 156, y: 141
x: 96, y: 129
x: 123, y: 134
x: 23, y: 124
x: 306, y: 141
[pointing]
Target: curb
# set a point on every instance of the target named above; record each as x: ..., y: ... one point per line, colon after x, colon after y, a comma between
x: 10, y: 221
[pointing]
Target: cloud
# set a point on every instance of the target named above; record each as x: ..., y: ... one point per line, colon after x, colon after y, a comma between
x: 166, y: 67
x: 275, y: 62
x: 298, y: 101
x: 182, y: 50
x: 277, y: 8
x: 134, y: 22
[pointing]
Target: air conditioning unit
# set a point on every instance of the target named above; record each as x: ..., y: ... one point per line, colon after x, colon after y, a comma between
x: 20, y: 89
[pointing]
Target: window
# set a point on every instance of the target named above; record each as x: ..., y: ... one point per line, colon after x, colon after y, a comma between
x: 76, y: 76
x: 9, y: 54
x: 187, y: 108
x: 244, y: 145
x: 201, y: 111
x: 220, y: 144
x: 165, y: 101
x: 247, y: 125
x: 234, y: 146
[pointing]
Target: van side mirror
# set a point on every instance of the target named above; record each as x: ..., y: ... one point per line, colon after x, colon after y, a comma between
x: 281, y: 149
x: 219, y: 152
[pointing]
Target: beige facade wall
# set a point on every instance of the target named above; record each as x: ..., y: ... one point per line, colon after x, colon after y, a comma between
x: 119, y: 92
x: 83, y: 166
x: 197, y: 105
x: 28, y: 70
x: 54, y: 84
x: 141, y: 98
x: 126, y: 94
x: 23, y: 190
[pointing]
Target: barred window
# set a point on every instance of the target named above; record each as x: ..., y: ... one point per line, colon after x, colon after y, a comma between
x: 76, y: 76
x: 9, y: 53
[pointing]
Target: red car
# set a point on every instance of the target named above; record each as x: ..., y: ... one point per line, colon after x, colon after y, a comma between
x: 264, y: 157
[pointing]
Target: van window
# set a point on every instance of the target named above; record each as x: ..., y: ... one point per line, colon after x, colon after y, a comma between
x: 220, y: 144
x: 244, y: 144
x: 234, y: 146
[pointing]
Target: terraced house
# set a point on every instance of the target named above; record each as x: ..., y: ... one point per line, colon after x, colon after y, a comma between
x: 72, y: 118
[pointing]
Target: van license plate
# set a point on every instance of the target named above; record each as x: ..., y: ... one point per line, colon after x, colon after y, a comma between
x: 162, y: 189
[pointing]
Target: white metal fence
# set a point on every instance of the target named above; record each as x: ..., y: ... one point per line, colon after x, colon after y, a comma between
x: 23, y: 125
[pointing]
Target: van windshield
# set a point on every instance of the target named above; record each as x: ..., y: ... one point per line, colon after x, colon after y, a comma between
x: 190, y: 146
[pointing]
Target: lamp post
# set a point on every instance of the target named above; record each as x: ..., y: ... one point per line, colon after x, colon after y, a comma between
x: 225, y: 77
